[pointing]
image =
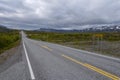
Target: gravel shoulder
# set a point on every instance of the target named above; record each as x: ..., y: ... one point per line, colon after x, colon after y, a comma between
x: 12, y: 66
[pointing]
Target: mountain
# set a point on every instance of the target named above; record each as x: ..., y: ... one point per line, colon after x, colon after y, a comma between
x: 93, y: 28
x: 3, y: 29
x: 107, y: 28
x: 55, y: 30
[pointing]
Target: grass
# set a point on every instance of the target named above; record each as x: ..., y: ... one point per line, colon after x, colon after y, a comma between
x: 108, y: 44
x: 8, y: 40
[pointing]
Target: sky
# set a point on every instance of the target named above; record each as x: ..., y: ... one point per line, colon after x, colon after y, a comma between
x: 61, y: 14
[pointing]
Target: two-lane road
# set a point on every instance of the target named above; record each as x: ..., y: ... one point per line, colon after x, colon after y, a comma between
x: 47, y: 61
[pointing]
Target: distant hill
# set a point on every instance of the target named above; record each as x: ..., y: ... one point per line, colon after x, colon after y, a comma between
x: 94, y: 28
x: 4, y: 29
x: 55, y: 30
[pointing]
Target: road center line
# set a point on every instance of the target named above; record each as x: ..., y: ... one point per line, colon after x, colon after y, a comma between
x: 47, y: 48
x: 29, y: 64
x: 113, y: 77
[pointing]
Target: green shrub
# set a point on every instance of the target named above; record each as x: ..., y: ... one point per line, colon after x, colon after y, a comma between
x: 72, y: 37
x: 7, y: 40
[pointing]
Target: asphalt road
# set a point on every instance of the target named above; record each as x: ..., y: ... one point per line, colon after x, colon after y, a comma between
x: 47, y: 61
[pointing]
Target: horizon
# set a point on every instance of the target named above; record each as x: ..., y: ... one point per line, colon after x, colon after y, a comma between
x: 82, y: 27
x: 85, y: 26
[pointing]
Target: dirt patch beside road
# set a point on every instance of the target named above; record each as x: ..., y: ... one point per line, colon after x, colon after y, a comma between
x: 10, y: 57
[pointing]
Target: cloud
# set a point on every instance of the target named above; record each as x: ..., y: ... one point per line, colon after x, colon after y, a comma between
x: 58, y: 13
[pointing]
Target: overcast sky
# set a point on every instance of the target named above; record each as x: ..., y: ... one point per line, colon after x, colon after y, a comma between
x: 33, y: 14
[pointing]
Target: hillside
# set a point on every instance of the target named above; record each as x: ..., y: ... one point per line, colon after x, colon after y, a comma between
x: 4, y: 29
x: 8, y: 38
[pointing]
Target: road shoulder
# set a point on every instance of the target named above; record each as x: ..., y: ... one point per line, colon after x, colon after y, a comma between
x: 12, y: 66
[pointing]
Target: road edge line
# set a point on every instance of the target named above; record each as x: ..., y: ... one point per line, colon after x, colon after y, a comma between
x: 88, y: 52
x: 29, y: 64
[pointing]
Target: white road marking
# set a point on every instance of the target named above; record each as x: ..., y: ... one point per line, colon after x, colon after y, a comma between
x: 92, y: 53
x: 29, y: 64
x: 86, y: 52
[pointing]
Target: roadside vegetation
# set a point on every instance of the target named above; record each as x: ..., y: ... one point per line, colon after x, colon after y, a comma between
x: 105, y: 43
x: 8, y: 40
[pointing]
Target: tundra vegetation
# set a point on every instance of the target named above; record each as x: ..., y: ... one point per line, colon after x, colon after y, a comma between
x: 8, y: 40
x: 100, y: 42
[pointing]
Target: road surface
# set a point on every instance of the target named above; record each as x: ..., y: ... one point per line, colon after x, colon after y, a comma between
x: 54, y: 62
x: 47, y: 61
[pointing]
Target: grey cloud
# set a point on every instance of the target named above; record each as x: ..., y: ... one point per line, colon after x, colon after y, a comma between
x: 30, y: 14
